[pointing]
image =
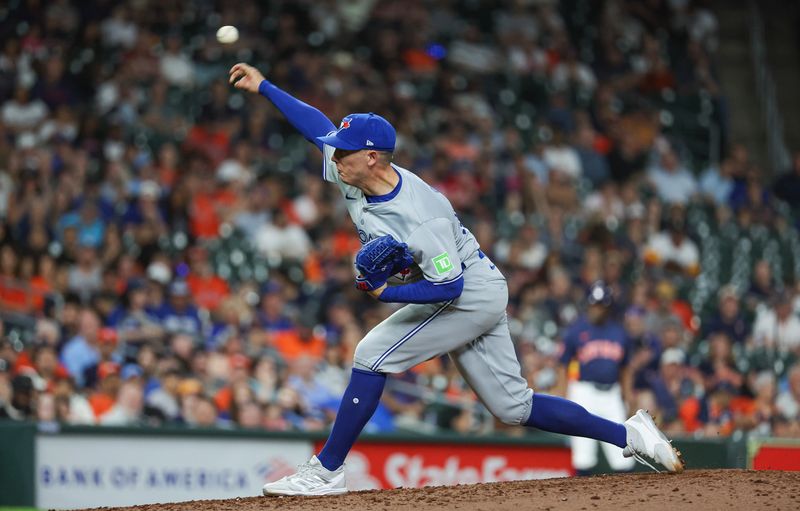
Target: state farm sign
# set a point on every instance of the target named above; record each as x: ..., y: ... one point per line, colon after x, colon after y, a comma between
x: 414, y: 465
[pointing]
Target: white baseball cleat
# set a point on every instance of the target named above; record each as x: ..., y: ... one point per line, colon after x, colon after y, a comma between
x: 647, y: 442
x: 311, y: 479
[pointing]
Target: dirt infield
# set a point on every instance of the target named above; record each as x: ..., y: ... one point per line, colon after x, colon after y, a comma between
x: 693, y: 490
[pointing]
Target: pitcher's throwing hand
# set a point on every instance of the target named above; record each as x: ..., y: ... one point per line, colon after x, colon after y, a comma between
x: 246, y: 77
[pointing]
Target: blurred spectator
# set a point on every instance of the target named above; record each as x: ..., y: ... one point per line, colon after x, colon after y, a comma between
x: 281, y: 240
x: 720, y: 363
x: 295, y: 413
x: 787, y: 186
x: 728, y: 319
x: 673, y: 250
x: 673, y: 182
x: 20, y: 401
x: 561, y: 158
x: 665, y: 317
x: 760, y: 416
x: 231, y: 321
x: 46, y: 408
x: 717, y: 411
x: 89, y: 225
x: 175, y: 66
x: 207, y: 288
x: 605, y: 205
x: 22, y: 114
x: 560, y: 302
x: 128, y: 408
x: 254, y: 215
x: 762, y: 286
x: 265, y: 382
x: 71, y: 406
x: 674, y: 389
x: 777, y: 327
x: 272, y: 314
x: 237, y: 389
x: 107, y: 352
x: 301, y: 341
x: 788, y: 401
x: 119, y: 30
x: 47, y: 366
x: 84, y: 278
x: 178, y: 314
x: 182, y: 348
x: 106, y: 395
x: 332, y: 372
x: 135, y: 324
x: 250, y: 415
x: 593, y: 162
x: 716, y: 183
x: 166, y: 398
x: 525, y: 251
x: 203, y: 412
x: 81, y: 352
x: 645, y: 346
x: 574, y: 76
x: 303, y: 378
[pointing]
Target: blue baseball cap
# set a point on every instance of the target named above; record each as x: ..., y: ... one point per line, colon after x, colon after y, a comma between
x: 179, y: 288
x: 362, y: 131
x: 131, y: 371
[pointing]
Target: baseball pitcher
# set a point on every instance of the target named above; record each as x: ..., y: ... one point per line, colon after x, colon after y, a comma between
x: 415, y: 251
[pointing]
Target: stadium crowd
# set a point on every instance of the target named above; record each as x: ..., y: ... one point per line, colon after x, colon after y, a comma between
x: 170, y: 255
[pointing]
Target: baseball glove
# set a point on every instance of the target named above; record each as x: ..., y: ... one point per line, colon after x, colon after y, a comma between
x: 378, y: 260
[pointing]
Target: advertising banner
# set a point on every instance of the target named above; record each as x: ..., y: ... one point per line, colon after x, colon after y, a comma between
x: 377, y: 465
x: 75, y: 471
x: 774, y: 454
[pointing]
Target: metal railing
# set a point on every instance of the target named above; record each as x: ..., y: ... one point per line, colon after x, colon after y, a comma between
x: 777, y: 152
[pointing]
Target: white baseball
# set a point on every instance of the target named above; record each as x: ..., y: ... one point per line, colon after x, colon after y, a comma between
x: 227, y: 34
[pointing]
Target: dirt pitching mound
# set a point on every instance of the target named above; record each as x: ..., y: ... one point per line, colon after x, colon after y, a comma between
x: 693, y: 490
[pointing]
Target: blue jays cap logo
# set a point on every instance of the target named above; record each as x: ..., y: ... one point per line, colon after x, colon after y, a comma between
x: 362, y: 131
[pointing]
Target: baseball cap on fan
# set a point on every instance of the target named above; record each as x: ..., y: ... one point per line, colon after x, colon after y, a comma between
x: 362, y: 131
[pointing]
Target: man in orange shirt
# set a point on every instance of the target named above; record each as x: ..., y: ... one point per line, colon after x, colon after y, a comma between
x: 239, y: 376
x: 300, y: 341
x: 207, y: 288
x: 103, y: 400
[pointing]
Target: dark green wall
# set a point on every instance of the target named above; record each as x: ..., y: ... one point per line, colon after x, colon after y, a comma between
x: 697, y: 454
x: 17, y: 461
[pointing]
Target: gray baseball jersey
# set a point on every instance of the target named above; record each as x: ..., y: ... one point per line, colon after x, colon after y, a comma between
x: 473, y: 328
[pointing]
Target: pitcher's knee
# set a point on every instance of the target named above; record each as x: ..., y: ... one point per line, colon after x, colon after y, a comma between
x: 363, y: 355
x: 361, y: 365
x: 509, y: 417
x: 514, y: 413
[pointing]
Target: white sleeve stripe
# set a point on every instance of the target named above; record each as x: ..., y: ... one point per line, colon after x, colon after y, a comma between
x: 449, y: 281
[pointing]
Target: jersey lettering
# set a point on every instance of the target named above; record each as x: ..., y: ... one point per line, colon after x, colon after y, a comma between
x: 600, y: 348
x: 363, y: 236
